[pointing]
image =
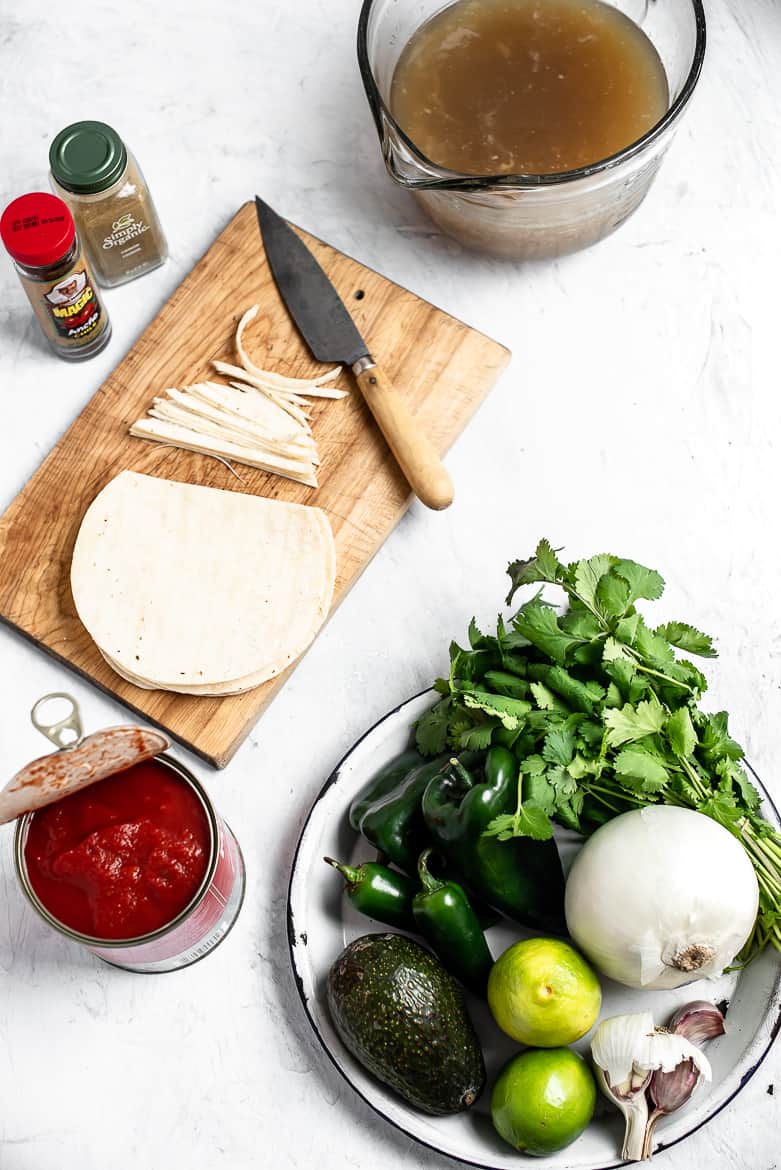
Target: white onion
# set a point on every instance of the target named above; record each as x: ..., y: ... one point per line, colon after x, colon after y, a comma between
x: 661, y: 896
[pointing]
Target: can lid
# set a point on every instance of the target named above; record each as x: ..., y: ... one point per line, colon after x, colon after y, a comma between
x: 37, y: 229
x: 87, y: 157
x: 78, y: 762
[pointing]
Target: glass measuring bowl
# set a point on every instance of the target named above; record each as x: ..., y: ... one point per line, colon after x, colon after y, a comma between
x: 530, y: 216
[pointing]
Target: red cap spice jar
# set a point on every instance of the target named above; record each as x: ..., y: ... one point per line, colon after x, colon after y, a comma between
x: 119, y: 847
x: 40, y: 237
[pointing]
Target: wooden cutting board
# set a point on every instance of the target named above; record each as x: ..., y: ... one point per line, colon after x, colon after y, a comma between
x: 443, y: 368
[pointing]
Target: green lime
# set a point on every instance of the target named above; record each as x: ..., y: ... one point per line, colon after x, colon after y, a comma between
x: 543, y: 993
x: 543, y: 1100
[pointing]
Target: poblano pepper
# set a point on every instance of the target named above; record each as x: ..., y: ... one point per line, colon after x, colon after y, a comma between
x: 445, y: 918
x: 521, y: 877
x: 388, y: 810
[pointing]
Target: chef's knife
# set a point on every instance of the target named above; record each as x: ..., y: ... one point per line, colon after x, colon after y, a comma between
x: 332, y: 336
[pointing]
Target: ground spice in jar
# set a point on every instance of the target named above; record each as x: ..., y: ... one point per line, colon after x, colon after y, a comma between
x: 99, y: 179
x: 40, y: 236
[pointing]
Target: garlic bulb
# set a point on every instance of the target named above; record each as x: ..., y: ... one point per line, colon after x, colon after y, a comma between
x: 631, y: 1056
x: 661, y: 896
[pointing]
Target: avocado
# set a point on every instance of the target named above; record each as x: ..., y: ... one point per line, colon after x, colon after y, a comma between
x: 402, y: 1015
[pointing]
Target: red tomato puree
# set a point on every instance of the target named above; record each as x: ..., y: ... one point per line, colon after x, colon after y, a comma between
x: 122, y: 857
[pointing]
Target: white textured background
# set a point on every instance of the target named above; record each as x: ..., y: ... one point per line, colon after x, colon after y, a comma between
x: 641, y: 415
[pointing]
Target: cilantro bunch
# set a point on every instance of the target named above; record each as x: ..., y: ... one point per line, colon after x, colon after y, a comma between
x: 601, y: 711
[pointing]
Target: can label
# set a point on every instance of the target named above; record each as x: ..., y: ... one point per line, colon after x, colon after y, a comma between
x: 74, y: 308
x: 199, y: 931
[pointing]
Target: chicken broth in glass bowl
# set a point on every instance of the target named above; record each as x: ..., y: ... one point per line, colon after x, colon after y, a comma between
x: 528, y: 127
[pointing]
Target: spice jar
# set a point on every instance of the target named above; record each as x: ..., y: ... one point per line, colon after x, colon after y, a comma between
x: 96, y: 175
x: 119, y: 848
x: 39, y: 234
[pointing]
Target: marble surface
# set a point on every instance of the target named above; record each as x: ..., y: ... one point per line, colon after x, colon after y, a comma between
x: 641, y: 415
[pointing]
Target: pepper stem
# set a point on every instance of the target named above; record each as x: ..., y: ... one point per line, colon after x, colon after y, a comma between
x: 461, y: 772
x: 430, y: 883
x: 348, y: 872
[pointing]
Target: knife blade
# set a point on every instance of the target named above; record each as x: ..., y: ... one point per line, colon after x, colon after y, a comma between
x: 332, y: 336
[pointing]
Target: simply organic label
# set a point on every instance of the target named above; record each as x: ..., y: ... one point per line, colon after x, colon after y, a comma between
x: 123, y: 230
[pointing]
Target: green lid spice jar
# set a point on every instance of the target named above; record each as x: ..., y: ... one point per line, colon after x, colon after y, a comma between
x: 97, y: 176
x: 39, y: 235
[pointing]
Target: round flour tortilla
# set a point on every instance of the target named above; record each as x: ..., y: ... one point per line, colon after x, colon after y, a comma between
x: 200, y: 590
x: 236, y: 687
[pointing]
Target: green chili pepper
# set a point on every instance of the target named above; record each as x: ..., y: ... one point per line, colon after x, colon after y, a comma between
x: 379, y: 892
x: 386, y: 781
x: 388, y: 814
x: 522, y: 878
x: 448, y: 923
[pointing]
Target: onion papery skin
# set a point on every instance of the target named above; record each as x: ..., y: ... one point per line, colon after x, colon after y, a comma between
x: 660, y: 897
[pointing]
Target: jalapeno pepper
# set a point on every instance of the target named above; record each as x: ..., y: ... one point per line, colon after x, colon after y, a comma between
x: 520, y: 877
x: 450, y: 926
x: 379, y: 892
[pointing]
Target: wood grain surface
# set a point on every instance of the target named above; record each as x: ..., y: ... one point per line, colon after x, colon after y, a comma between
x: 441, y: 367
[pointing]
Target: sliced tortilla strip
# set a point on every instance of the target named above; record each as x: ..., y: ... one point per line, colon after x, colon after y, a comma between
x: 182, y: 586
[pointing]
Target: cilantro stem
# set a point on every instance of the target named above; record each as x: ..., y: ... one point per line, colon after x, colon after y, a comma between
x: 673, y: 682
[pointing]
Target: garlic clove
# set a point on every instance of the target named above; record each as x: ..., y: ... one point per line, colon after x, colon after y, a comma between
x: 698, y: 1021
x: 634, y: 1107
x: 670, y: 1090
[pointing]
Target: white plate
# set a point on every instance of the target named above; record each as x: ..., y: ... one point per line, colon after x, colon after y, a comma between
x: 321, y: 923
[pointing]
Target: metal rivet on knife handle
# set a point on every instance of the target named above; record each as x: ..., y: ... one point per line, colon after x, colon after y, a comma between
x: 413, y: 451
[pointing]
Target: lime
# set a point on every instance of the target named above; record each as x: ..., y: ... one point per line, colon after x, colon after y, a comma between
x: 543, y: 1099
x: 543, y: 993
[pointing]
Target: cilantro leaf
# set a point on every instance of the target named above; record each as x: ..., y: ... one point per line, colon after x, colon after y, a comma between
x: 626, y: 629
x: 533, y: 765
x: 505, y: 683
x: 636, y: 764
x: 476, y: 739
x: 630, y: 723
x: 733, y: 777
x: 559, y: 746
x: 579, y: 622
x: 541, y: 793
x: 543, y: 567
x: 538, y: 624
x: 588, y: 575
x: 680, y: 733
x: 527, y: 821
x: 431, y: 729
x: 581, y: 696
x: 715, y: 741
x: 642, y: 582
x: 613, y: 595
x: 545, y: 699
x: 687, y: 638
x: 510, y: 712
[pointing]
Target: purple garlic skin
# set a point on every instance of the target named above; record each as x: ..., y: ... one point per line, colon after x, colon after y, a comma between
x: 698, y: 1021
x: 670, y: 1090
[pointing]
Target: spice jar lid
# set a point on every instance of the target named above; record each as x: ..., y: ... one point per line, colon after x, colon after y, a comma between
x: 87, y: 157
x: 79, y: 760
x: 37, y: 229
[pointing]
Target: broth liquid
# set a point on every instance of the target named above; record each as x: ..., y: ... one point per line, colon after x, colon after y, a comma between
x: 490, y: 87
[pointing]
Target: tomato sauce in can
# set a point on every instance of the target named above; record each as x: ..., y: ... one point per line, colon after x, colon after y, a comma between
x: 134, y: 863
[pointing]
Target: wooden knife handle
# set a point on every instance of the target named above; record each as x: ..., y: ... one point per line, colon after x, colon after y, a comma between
x: 413, y: 451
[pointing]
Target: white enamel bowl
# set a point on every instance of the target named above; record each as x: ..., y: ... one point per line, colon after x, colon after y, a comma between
x: 321, y: 923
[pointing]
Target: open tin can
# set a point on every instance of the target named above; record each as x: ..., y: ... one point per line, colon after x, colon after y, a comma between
x: 198, y: 926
